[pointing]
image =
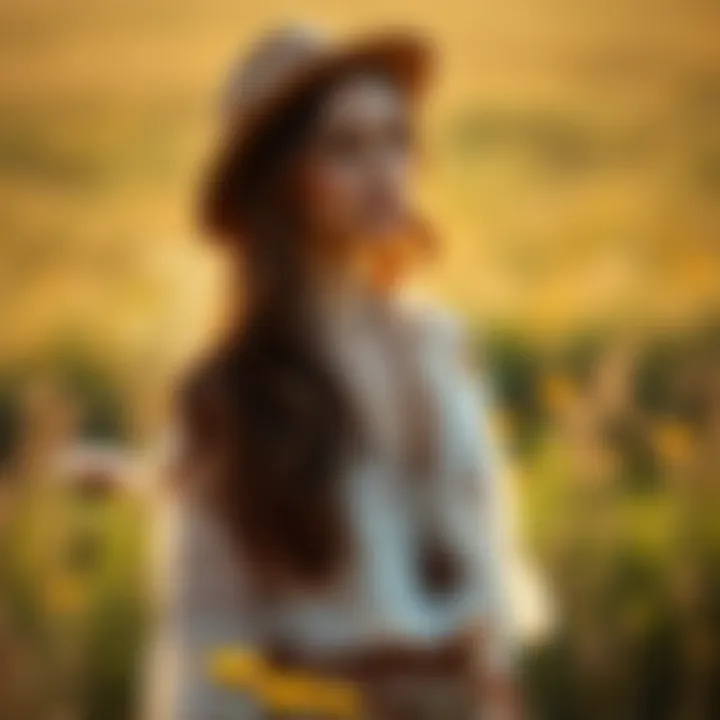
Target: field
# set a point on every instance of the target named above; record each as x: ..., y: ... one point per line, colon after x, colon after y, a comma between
x: 574, y: 173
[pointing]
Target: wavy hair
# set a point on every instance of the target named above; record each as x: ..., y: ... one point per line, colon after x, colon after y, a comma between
x: 266, y: 420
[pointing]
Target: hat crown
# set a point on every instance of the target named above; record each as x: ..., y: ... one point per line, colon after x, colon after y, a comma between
x: 274, y: 61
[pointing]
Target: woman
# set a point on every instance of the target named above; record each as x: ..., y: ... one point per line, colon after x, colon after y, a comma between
x: 334, y: 510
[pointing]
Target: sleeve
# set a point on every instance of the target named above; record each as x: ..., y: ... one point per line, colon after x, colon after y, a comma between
x: 497, y: 550
x: 483, y: 510
x: 202, y: 611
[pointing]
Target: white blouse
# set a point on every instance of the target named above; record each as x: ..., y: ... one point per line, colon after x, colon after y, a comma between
x: 206, y: 602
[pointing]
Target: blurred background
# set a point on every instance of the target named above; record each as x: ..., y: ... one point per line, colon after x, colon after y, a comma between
x: 574, y: 169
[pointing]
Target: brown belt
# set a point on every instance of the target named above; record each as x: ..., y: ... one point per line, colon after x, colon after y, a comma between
x: 398, y: 681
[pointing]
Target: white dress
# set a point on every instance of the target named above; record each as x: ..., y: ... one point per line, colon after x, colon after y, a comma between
x: 205, y: 600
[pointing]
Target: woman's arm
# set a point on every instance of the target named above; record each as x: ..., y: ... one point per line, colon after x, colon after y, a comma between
x: 202, y: 610
x: 498, y: 680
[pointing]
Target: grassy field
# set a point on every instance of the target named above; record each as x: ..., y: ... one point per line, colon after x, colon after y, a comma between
x: 574, y: 173
x: 575, y: 160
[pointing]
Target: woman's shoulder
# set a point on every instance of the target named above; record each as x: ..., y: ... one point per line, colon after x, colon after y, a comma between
x: 197, y: 417
x: 433, y: 323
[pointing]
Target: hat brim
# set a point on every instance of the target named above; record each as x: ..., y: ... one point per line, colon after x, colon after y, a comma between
x: 405, y: 57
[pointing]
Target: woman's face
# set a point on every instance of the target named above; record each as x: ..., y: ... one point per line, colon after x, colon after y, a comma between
x: 355, y: 175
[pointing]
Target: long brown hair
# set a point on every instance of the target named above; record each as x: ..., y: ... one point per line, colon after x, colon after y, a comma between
x: 267, y: 422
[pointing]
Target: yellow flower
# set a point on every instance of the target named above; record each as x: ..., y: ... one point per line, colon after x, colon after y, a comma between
x: 64, y: 596
x: 558, y: 392
x: 237, y: 667
x: 279, y: 690
x: 673, y: 440
x: 298, y: 692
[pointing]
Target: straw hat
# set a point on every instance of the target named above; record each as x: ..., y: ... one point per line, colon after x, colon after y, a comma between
x: 279, y: 69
